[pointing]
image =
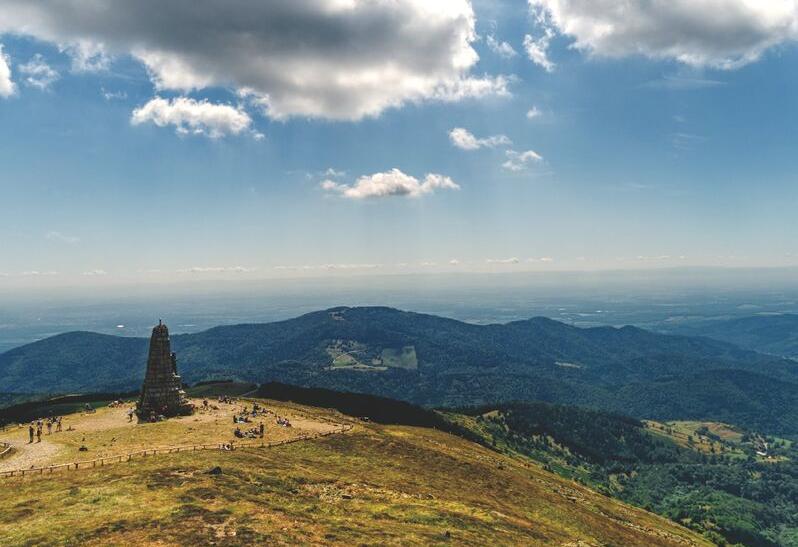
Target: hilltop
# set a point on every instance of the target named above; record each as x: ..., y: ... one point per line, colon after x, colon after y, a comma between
x: 374, y: 484
x: 436, y: 361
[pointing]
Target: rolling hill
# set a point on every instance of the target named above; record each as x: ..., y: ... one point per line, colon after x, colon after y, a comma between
x: 715, y: 482
x: 374, y: 484
x: 435, y: 361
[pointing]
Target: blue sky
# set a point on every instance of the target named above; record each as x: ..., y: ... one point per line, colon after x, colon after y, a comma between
x: 129, y: 156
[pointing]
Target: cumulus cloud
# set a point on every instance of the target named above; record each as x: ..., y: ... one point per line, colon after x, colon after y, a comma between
x: 723, y: 34
x: 393, y: 183
x: 190, y: 116
x: 38, y: 73
x: 95, y: 273
x: 520, y: 161
x: 462, y: 138
x: 502, y: 49
x: 7, y: 86
x: 338, y: 59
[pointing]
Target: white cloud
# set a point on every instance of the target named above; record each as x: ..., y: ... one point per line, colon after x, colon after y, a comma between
x: 502, y: 49
x: 537, y: 49
x: 95, y: 273
x: 113, y: 95
x: 454, y: 262
x: 189, y: 116
x: 337, y: 59
x: 533, y: 113
x: 38, y: 73
x: 37, y: 273
x: 216, y: 269
x: 7, y: 86
x: 87, y: 56
x: 464, y: 139
x: 393, y: 183
x: 540, y: 259
x: 723, y: 34
x: 520, y: 161
x: 58, y: 236
x: 512, y: 260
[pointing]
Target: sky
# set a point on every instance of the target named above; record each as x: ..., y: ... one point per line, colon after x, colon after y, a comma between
x: 157, y: 141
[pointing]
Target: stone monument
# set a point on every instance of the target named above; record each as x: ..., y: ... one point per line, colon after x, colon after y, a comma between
x: 162, y: 393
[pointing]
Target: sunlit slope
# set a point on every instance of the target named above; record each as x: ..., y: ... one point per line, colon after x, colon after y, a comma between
x: 374, y: 485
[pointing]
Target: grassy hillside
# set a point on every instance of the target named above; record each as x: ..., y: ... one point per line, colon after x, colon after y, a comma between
x: 377, y: 484
x: 730, y: 484
x: 435, y: 362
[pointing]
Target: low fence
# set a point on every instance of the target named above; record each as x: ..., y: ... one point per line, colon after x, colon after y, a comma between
x: 223, y: 447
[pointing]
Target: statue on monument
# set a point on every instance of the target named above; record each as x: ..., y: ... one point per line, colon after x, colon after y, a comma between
x: 162, y: 393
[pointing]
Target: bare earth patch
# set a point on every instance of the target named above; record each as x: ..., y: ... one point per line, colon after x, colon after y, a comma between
x: 107, y: 432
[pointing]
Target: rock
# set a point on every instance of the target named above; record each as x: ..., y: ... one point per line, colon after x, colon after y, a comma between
x: 214, y: 471
x: 83, y: 449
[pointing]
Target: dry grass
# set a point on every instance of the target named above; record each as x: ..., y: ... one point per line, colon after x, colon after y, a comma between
x: 374, y: 485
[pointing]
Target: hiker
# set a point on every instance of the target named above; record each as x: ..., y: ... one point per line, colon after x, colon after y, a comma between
x: 262, y: 429
x: 39, y: 432
x: 130, y: 414
x: 49, y: 427
x: 58, y: 425
x: 30, y: 432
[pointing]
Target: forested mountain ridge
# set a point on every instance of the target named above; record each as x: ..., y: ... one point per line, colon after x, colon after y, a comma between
x: 437, y: 361
x: 776, y: 334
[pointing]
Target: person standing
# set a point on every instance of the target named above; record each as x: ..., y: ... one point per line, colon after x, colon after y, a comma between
x: 30, y: 432
x: 39, y: 432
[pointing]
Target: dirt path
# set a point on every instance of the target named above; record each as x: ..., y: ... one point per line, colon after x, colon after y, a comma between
x: 29, y: 455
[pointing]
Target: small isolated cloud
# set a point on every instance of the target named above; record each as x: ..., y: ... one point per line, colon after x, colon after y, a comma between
x: 544, y: 259
x: 512, y: 260
x: 333, y: 173
x: 190, y: 116
x: 216, y: 269
x: 678, y: 83
x: 38, y: 73
x: 113, y: 95
x: 454, y: 262
x: 502, y: 49
x: 465, y: 140
x: 520, y: 161
x: 393, y: 183
x: 62, y: 238
x: 533, y: 113
x: 95, y: 273
x: 7, y: 86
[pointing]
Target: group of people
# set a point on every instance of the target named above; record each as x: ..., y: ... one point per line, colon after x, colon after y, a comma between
x: 35, y: 428
x: 252, y: 433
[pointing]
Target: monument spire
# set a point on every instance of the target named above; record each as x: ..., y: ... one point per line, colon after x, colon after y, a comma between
x: 162, y: 393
